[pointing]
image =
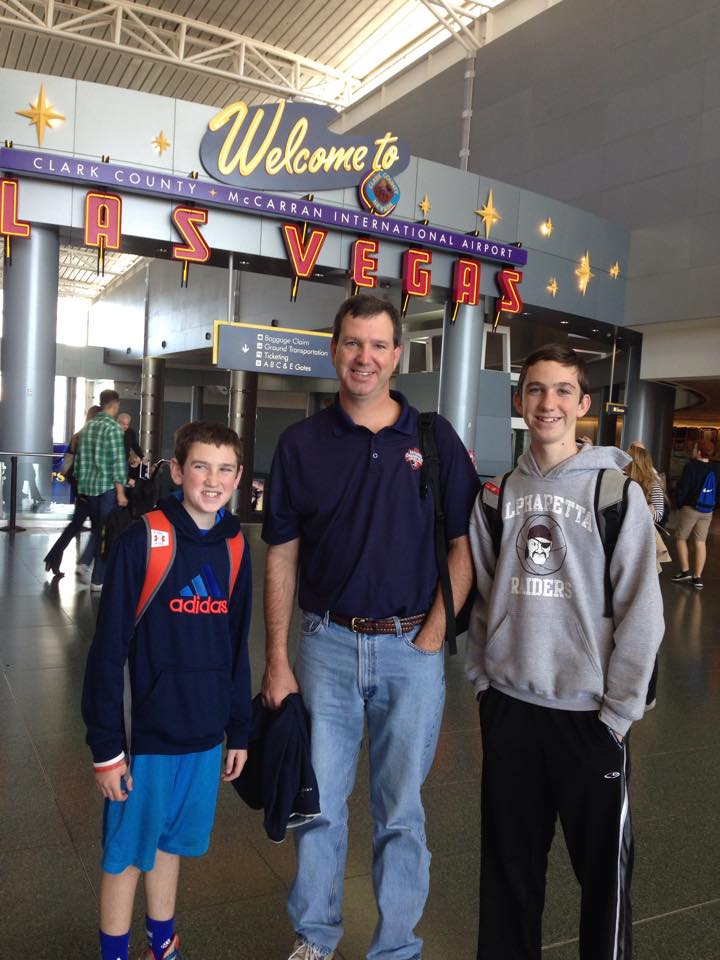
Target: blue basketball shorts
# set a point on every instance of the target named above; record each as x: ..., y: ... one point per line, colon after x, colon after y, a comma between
x: 171, y: 808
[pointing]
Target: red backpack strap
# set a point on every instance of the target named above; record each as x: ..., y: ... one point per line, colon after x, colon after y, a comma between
x: 160, y: 556
x: 236, y: 548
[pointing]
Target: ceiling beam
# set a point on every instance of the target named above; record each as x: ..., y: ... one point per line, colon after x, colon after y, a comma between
x: 147, y: 32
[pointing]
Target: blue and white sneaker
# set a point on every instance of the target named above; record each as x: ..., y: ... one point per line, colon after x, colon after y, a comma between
x: 171, y: 953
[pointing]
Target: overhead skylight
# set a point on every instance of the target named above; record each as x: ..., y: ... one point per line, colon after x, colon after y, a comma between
x: 412, y: 32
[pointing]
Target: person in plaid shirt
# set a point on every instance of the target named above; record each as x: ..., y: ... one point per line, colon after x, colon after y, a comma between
x: 101, y: 472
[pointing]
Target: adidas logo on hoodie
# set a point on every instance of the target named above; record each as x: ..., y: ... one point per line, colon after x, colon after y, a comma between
x: 198, y: 605
x: 196, y: 598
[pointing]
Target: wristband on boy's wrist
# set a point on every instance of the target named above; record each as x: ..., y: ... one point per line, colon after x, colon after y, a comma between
x: 105, y: 765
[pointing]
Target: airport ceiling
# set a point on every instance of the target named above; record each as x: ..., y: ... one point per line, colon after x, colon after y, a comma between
x: 218, y: 51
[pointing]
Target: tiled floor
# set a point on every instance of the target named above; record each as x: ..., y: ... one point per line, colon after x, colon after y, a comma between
x: 231, y: 902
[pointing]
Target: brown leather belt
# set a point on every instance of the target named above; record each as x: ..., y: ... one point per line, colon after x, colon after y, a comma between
x: 366, y: 625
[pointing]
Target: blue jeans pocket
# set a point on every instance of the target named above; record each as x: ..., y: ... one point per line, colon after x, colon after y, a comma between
x: 409, y: 640
x: 311, y: 623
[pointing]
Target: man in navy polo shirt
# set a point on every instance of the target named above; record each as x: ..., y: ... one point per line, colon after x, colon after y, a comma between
x: 344, y: 510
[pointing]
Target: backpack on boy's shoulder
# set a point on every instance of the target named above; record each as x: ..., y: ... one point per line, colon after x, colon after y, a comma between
x: 706, y: 497
x: 610, y: 506
x: 430, y: 480
x: 161, y: 549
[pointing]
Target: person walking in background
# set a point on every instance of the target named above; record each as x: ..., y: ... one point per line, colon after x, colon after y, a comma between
x: 101, y: 471
x: 54, y: 555
x: 696, y: 497
x: 642, y: 471
x: 133, y: 450
x: 130, y: 437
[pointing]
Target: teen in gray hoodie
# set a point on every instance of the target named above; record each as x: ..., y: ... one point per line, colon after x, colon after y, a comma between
x: 559, y: 682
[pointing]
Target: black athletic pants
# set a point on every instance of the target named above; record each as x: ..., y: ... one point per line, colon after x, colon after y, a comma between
x: 81, y: 513
x: 539, y: 763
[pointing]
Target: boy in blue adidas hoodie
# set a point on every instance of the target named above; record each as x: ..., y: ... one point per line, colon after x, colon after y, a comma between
x: 167, y: 681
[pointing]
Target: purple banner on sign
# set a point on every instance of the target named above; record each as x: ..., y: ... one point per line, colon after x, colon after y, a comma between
x: 138, y: 180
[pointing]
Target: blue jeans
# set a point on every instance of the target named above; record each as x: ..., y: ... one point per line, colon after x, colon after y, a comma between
x: 99, y: 509
x: 347, y: 678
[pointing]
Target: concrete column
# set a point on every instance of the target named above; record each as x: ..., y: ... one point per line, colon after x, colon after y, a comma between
x: 152, y: 393
x: 631, y: 394
x: 28, y: 351
x: 197, y: 397
x: 459, y: 368
x: 242, y: 413
x: 651, y: 407
x: 70, y: 406
x: 314, y: 403
x: 604, y: 438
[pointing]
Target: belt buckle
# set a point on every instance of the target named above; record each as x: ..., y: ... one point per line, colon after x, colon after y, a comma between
x: 353, y: 623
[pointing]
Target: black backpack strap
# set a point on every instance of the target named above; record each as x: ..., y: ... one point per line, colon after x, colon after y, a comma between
x: 491, y: 499
x: 611, y: 493
x: 430, y: 480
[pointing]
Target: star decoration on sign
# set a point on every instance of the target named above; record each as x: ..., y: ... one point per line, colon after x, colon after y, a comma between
x: 584, y: 273
x: 425, y: 206
x: 552, y: 287
x: 488, y: 214
x: 615, y: 270
x: 41, y: 114
x: 161, y: 143
x: 213, y: 192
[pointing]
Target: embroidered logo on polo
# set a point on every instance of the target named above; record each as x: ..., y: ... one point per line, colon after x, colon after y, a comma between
x: 201, y: 595
x: 414, y: 457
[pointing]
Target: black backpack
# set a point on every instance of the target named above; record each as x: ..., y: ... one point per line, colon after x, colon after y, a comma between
x: 142, y: 498
x: 430, y: 480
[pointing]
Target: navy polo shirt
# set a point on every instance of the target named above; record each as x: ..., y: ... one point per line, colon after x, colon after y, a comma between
x: 352, y: 497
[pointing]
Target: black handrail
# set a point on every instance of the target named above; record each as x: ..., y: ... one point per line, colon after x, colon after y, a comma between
x: 12, y: 527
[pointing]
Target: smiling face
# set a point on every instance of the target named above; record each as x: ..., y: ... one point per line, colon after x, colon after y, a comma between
x: 365, y: 356
x: 208, y: 478
x: 551, y: 403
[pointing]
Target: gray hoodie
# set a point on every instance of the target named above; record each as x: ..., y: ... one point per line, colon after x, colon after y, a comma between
x: 537, y: 630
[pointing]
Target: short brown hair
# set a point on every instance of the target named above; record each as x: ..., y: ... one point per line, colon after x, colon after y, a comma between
x: 363, y: 305
x: 559, y: 353
x: 108, y: 397
x: 706, y: 448
x: 205, y: 431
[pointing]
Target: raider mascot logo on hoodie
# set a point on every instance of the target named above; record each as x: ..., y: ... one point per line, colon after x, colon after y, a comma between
x: 541, y: 548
